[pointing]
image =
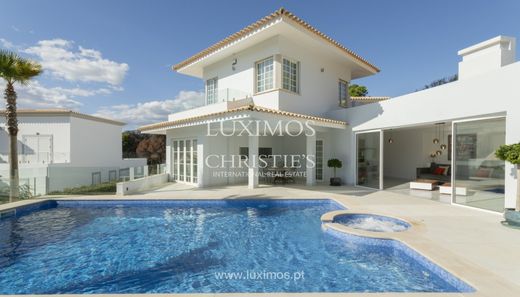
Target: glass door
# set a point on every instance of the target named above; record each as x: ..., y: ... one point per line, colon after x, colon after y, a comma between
x: 184, y: 160
x: 479, y: 177
x: 368, y: 150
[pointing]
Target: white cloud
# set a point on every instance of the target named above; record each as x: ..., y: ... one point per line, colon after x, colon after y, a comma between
x: 36, y: 95
x: 6, y: 43
x: 64, y: 61
x: 152, y: 111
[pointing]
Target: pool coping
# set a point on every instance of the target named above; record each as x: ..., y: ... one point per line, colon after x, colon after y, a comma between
x: 470, y: 274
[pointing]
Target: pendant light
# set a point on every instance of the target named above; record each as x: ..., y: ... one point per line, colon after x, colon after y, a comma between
x: 436, y: 139
x: 390, y: 139
x: 443, y: 146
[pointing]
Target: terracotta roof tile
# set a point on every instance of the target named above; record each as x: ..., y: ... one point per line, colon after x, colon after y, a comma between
x: 64, y: 112
x: 370, y: 98
x: 250, y: 107
x: 265, y: 20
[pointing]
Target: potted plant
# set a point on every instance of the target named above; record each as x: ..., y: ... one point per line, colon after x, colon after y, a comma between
x: 511, y: 153
x: 334, y: 163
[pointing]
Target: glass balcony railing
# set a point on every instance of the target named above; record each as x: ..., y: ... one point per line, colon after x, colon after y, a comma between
x: 38, y: 158
x: 226, y: 95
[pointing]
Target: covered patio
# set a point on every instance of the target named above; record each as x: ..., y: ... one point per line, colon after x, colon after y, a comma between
x: 248, y: 145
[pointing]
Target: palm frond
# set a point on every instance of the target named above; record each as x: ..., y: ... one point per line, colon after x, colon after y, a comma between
x: 14, y: 68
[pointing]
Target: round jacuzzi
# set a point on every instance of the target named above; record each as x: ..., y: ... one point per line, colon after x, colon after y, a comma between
x: 371, y: 222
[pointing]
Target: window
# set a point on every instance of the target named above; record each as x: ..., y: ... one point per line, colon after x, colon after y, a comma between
x: 212, y: 90
x: 319, y: 160
x: 290, y: 75
x: 343, y: 93
x: 264, y: 75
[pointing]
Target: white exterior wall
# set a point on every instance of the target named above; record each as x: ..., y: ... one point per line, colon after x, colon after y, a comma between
x: 493, y: 93
x: 58, y: 127
x: 95, y: 143
x: 488, y: 55
x: 80, y: 147
x: 318, y: 90
x: 243, y: 77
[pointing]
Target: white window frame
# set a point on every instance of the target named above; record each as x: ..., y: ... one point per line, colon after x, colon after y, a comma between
x: 343, y: 101
x: 296, y: 78
x: 212, y: 94
x: 322, y: 159
x: 187, y: 152
x: 264, y: 83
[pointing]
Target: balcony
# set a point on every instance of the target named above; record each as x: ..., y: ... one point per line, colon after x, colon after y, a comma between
x: 225, y: 99
x: 227, y: 95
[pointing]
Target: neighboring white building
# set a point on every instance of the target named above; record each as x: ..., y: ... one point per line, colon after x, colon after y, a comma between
x: 61, y: 148
x: 281, y: 70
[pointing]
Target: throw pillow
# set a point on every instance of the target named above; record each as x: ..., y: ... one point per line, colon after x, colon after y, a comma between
x: 446, y: 169
x: 438, y: 171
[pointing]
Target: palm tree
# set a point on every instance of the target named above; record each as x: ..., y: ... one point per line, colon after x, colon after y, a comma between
x: 14, y: 69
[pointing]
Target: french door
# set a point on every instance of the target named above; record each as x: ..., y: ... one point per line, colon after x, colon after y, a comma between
x: 184, y: 160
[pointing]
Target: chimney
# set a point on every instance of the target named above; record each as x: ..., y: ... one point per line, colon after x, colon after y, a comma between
x: 487, y: 56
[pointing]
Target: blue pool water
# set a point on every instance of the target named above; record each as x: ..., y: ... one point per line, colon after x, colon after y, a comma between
x: 201, y: 246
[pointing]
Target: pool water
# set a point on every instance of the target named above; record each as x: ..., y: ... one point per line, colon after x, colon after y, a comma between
x: 201, y: 246
x: 371, y: 222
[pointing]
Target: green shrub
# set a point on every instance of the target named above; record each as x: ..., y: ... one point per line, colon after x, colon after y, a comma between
x: 334, y: 163
x: 103, y: 188
x: 509, y: 153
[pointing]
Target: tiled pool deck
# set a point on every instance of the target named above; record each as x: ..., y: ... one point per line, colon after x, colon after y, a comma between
x: 470, y: 244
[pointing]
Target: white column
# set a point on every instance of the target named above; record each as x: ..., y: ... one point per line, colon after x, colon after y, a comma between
x: 381, y: 159
x: 253, y: 162
x: 132, y: 173
x: 201, y: 165
x: 311, y: 153
x: 145, y: 170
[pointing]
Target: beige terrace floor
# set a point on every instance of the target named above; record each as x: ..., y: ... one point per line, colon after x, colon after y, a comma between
x: 469, y: 243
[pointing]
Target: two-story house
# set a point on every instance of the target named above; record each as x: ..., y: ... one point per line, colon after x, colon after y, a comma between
x: 277, y: 108
x: 280, y: 70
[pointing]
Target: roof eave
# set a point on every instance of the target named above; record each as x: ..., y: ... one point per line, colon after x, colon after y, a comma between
x: 279, y: 14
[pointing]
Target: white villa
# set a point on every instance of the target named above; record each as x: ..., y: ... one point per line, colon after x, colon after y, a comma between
x: 62, y: 148
x: 282, y: 71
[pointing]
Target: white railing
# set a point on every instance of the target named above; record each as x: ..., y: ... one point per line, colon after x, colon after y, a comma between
x: 39, y: 158
x: 43, y: 180
x: 227, y: 94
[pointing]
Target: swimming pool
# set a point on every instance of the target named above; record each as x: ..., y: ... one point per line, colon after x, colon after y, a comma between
x: 193, y: 246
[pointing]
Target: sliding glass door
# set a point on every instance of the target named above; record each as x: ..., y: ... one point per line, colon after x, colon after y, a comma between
x: 184, y: 160
x: 368, y: 148
x: 479, y: 176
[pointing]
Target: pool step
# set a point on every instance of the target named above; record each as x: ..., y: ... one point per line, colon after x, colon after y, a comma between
x: 7, y: 213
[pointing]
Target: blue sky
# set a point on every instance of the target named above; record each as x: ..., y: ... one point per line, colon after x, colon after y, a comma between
x: 113, y: 58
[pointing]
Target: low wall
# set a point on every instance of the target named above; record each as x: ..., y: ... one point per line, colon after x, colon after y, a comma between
x: 141, y: 184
